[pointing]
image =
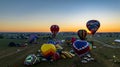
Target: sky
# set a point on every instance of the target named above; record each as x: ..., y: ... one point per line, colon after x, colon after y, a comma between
x: 70, y: 15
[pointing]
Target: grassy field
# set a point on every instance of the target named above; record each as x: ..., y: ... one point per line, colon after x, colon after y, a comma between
x: 9, y: 57
x: 108, y: 40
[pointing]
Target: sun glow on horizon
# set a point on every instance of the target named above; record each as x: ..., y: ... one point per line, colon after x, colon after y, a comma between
x: 38, y: 16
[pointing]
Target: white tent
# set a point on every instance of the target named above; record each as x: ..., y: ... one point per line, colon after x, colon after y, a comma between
x: 117, y: 40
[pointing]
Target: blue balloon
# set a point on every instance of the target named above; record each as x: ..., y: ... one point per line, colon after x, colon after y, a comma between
x: 32, y: 38
x: 79, y: 44
x: 81, y: 47
x: 51, y: 42
x: 93, y: 26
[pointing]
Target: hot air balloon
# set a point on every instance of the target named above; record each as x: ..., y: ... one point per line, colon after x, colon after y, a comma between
x: 51, y: 42
x: 81, y: 47
x: 56, y: 56
x: 54, y: 29
x: 82, y: 34
x: 31, y: 59
x: 48, y: 50
x: 32, y: 38
x: 73, y: 39
x: 93, y: 26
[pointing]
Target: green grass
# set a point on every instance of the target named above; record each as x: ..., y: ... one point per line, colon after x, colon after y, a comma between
x: 108, y: 40
x: 102, y: 55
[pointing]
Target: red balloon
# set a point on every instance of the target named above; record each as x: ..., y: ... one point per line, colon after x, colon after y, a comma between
x: 56, y: 56
x: 54, y: 29
x: 73, y: 39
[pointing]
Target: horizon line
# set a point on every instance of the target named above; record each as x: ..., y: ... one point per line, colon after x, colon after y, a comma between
x: 58, y: 32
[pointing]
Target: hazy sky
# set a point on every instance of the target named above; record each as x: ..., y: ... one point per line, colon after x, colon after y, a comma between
x: 70, y: 15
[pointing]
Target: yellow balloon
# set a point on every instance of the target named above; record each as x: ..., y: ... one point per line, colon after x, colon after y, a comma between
x: 48, y: 49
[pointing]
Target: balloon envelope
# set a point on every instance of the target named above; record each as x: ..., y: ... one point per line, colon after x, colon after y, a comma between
x: 48, y: 50
x: 54, y: 29
x: 51, y: 42
x: 73, y: 39
x: 30, y: 59
x: 81, y: 47
x: 82, y: 34
x: 93, y: 26
x: 56, y: 56
x: 32, y: 38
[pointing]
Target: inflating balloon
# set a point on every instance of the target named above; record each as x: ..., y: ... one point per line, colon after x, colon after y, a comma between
x: 30, y: 59
x: 51, y: 42
x: 73, y: 39
x: 67, y: 54
x: 93, y: 26
x: 56, y: 56
x: 82, y: 34
x: 32, y: 38
x: 54, y: 29
x: 58, y: 47
x: 81, y: 47
x: 48, y: 50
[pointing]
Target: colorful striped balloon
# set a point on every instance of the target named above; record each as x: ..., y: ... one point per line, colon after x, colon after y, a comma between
x: 82, y: 34
x: 93, y: 26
